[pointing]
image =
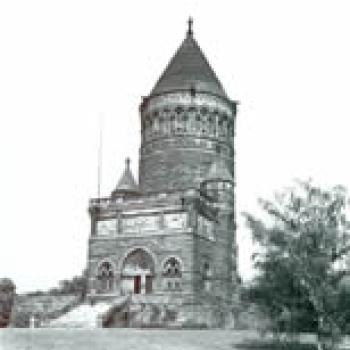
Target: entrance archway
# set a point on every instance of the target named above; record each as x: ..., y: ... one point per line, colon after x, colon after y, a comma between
x: 138, y: 272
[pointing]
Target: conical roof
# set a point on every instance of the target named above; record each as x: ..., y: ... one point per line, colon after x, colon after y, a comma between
x: 219, y: 171
x: 189, y: 69
x: 126, y: 182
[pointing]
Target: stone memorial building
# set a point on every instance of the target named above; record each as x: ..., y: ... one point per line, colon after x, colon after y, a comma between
x: 168, y: 241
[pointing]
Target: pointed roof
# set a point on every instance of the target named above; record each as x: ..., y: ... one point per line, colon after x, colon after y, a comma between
x: 126, y: 182
x: 219, y: 171
x: 189, y: 69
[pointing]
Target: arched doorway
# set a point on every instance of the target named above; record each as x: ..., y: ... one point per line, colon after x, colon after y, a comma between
x: 138, y: 272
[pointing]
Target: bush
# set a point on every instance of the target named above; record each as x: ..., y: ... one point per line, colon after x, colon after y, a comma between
x: 7, y: 293
x: 275, y: 345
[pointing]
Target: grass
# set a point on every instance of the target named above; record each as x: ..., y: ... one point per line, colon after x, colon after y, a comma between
x: 144, y: 339
x: 274, y: 345
x: 120, y: 339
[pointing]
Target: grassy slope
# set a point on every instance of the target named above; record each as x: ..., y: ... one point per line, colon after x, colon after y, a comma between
x: 137, y: 339
x: 119, y: 339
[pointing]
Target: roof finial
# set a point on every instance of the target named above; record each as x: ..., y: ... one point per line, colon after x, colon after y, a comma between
x: 127, y: 163
x: 190, y: 25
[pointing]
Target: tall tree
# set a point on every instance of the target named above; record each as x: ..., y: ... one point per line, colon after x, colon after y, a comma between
x: 7, y: 293
x: 303, y: 242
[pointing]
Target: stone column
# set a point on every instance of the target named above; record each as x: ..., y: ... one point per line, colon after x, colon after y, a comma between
x: 117, y: 283
x: 143, y: 283
x: 161, y: 220
x: 32, y: 321
x: 192, y: 217
x: 119, y: 223
x: 92, y: 285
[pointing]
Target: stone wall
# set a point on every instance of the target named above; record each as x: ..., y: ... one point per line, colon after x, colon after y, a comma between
x: 162, y: 230
x: 160, y: 247
x: 42, y: 307
x: 181, y: 136
x: 187, y: 226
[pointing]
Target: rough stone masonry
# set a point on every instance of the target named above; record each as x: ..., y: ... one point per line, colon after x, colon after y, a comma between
x: 169, y: 241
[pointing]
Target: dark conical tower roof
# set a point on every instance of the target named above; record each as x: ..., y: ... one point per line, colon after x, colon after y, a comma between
x: 189, y: 69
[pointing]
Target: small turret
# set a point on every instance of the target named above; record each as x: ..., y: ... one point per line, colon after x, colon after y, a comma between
x: 218, y: 184
x: 126, y: 185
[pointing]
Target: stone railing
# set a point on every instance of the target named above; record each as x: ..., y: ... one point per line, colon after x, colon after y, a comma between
x: 155, y: 199
x: 42, y: 308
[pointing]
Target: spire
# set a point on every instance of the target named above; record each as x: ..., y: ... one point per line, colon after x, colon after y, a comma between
x: 190, y: 25
x: 127, y: 163
x: 188, y: 69
x: 126, y: 183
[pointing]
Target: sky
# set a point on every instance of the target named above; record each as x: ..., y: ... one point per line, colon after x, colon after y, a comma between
x: 66, y: 65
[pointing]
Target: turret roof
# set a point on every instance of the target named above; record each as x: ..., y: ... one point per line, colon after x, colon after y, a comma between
x: 189, y: 69
x: 126, y: 182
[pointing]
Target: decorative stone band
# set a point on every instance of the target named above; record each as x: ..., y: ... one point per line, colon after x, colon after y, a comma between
x: 181, y: 136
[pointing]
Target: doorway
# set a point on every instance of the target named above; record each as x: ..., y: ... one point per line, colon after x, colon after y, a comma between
x: 137, y: 284
x: 137, y: 273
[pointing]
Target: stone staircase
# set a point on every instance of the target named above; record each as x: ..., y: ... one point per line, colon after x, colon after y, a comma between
x: 136, y: 311
x: 88, y: 315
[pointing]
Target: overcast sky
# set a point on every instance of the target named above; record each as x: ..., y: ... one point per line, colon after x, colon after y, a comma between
x: 64, y: 64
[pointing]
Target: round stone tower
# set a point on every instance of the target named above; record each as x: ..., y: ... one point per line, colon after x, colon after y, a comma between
x: 187, y: 123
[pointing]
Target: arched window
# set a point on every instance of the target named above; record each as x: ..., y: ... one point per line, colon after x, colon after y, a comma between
x: 185, y: 122
x: 179, y: 109
x: 204, y: 127
x: 172, y: 274
x: 179, y: 123
x: 211, y: 126
x: 172, y: 268
x: 105, y: 275
x: 172, y: 123
x: 204, y: 110
x: 161, y: 125
x: 155, y: 125
x: 207, y: 276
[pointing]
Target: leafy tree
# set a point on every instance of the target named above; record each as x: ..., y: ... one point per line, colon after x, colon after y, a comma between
x: 7, y: 293
x: 77, y: 285
x: 303, y: 243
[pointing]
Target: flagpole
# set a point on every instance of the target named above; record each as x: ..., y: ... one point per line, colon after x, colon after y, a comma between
x: 99, y: 161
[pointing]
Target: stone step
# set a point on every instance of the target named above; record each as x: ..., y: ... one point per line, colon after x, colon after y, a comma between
x: 86, y: 315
